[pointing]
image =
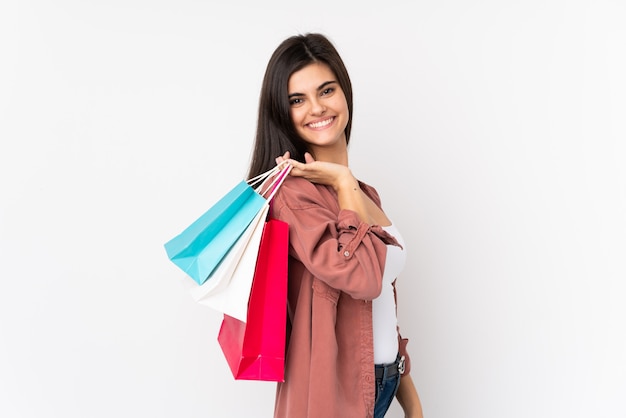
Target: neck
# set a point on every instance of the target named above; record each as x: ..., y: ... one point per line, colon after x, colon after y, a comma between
x: 337, y: 154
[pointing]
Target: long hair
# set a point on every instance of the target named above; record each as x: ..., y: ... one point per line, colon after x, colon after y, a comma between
x: 275, y: 132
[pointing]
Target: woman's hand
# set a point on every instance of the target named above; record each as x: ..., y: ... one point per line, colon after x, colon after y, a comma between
x: 336, y: 175
x: 339, y: 177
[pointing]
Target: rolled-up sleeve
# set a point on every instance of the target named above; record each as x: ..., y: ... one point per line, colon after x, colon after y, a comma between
x: 333, y: 244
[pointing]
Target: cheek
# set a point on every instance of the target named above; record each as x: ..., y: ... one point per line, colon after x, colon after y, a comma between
x: 344, y: 104
x: 296, y: 117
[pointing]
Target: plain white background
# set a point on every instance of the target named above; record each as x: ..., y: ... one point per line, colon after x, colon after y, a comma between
x: 494, y: 132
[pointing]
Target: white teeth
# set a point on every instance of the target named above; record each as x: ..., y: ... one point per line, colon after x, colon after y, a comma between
x: 321, y: 124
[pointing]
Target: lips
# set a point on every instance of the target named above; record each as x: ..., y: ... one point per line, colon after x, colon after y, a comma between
x: 321, y: 124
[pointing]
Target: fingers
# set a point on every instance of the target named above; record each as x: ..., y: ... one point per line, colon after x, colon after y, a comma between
x: 308, y: 158
x: 282, y: 158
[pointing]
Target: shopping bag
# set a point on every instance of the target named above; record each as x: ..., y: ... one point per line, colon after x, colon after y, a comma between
x: 200, y: 247
x: 228, y: 290
x: 255, y: 349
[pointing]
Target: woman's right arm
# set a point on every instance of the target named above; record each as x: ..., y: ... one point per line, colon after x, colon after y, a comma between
x: 339, y: 177
x: 337, y: 247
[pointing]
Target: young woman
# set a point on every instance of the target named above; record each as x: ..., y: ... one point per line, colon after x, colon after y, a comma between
x: 345, y: 357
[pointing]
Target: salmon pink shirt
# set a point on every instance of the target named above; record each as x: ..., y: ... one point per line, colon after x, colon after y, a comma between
x: 336, y: 266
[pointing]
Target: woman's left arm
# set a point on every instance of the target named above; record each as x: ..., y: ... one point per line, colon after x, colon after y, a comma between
x: 408, y: 398
x: 407, y: 393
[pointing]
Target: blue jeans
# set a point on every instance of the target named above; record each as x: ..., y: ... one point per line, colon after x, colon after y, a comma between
x: 386, y: 388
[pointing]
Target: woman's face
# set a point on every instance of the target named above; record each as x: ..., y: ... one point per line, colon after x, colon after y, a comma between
x: 319, y: 110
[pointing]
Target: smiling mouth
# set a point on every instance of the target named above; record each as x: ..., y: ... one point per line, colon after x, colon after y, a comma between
x: 321, y: 124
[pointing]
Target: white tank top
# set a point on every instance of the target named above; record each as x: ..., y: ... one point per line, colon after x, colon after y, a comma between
x: 384, y: 306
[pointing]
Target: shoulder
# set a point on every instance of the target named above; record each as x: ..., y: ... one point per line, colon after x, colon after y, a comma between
x: 299, y: 193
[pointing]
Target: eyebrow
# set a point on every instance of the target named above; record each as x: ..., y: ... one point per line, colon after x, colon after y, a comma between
x: 321, y: 87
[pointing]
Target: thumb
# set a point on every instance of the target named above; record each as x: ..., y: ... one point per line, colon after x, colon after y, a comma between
x: 283, y: 157
x: 308, y: 158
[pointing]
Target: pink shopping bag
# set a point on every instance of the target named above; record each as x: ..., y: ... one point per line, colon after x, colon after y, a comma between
x: 255, y: 349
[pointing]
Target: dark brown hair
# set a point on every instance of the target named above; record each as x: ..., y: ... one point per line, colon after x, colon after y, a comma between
x: 275, y: 130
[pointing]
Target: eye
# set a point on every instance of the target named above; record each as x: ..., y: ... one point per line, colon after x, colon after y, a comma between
x: 295, y: 101
x: 328, y: 91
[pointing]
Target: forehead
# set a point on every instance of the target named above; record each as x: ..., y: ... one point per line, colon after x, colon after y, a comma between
x: 310, y: 77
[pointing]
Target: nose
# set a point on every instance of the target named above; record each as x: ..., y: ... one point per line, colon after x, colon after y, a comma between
x: 317, y: 107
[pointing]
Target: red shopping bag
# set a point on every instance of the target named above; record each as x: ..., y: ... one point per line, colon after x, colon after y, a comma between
x: 255, y: 349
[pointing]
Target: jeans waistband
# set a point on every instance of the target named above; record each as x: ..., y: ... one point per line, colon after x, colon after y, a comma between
x: 390, y: 369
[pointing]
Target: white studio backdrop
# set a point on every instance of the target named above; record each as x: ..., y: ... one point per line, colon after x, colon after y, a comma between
x: 494, y: 132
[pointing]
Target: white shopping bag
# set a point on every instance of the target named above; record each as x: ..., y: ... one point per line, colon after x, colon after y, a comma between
x: 228, y: 290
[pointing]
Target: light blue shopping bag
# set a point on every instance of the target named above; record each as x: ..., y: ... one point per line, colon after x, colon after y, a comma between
x: 200, y: 248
